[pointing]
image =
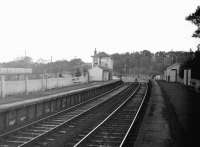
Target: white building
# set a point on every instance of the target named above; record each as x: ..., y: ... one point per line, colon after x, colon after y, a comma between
x: 102, y: 67
x: 171, y: 74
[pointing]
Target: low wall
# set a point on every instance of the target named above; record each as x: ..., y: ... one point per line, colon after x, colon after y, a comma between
x: 17, y: 87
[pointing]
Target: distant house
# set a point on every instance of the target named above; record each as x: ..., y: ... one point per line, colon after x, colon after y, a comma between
x: 102, y: 67
x: 171, y: 74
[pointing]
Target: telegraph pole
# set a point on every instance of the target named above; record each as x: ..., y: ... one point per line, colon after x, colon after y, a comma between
x: 25, y: 52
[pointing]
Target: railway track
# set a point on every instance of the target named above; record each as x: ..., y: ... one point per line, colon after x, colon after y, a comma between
x: 35, y: 133
x: 113, y: 131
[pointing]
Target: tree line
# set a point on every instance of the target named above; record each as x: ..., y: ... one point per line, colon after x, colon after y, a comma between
x: 145, y: 62
x: 193, y: 62
x: 75, y: 66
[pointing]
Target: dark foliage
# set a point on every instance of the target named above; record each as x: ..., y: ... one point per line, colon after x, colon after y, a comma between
x: 145, y: 62
x: 194, y: 62
x: 195, y: 19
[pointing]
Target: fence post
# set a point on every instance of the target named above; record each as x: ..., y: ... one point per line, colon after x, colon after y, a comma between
x: 43, y: 82
x: 57, y: 77
x: 185, y: 77
x: 2, y: 86
x: 26, y: 84
x: 189, y: 77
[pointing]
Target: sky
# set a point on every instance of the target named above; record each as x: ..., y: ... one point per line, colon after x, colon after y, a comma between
x: 67, y: 29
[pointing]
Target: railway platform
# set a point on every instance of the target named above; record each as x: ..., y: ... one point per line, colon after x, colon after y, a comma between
x: 183, y: 102
x: 171, y: 118
x: 22, y: 97
x: 155, y: 128
x: 19, y: 112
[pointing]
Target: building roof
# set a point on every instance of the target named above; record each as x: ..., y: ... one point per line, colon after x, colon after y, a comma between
x: 102, y: 54
x: 173, y: 65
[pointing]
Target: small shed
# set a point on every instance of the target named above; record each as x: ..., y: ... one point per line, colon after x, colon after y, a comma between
x: 98, y: 73
x: 171, y: 74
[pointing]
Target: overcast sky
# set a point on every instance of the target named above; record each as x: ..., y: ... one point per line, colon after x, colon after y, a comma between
x: 65, y: 29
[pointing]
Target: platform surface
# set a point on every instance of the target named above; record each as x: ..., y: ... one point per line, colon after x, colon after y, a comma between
x: 184, y: 103
x: 155, y: 130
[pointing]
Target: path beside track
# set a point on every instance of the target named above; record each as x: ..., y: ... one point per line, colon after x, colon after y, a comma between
x: 155, y: 129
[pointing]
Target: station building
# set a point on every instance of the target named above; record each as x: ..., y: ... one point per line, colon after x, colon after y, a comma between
x: 102, y: 67
x: 171, y: 74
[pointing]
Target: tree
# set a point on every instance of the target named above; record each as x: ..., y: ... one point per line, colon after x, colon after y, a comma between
x: 193, y: 63
x: 195, y: 19
x: 76, y: 61
x: 44, y: 66
x: 145, y: 62
x: 20, y: 62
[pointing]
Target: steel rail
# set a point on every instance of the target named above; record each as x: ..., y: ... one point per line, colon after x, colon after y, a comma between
x: 64, y: 122
x: 107, y: 118
x: 136, y: 116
